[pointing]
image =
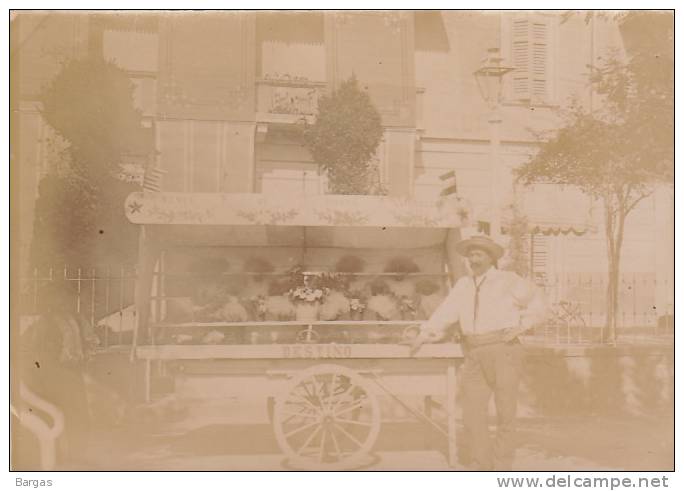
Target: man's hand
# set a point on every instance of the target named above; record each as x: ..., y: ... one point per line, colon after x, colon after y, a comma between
x: 423, y: 337
x: 416, y: 343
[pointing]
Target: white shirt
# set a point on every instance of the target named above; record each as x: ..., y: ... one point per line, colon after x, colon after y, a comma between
x: 505, y: 300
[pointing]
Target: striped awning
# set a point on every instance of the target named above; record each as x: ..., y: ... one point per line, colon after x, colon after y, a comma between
x: 552, y: 209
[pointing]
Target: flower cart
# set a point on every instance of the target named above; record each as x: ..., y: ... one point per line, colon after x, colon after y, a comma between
x: 311, y: 296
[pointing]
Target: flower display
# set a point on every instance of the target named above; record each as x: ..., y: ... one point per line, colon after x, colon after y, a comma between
x: 356, y: 305
x: 402, y: 287
x: 383, y: 306
x: 335, y: 306
x: 278, y: 308
x: 231, y: 311
x: 408, y: 307
x: 307, y: 294
x: 407, y: 304
x: 258, y: 305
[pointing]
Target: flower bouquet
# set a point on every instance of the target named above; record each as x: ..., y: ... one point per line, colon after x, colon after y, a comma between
x: 307, y: 302
x: 381, y: 305
x: 356, y: 306
x: 408, y: 307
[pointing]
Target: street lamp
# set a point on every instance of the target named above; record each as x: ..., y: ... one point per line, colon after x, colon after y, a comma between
x: 489, y: 77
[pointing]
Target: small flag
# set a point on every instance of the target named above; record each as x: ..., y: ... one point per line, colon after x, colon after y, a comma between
x: 450, y: 190
x: 449, y: 179
x: 153, y: 179
x: 448, y: 175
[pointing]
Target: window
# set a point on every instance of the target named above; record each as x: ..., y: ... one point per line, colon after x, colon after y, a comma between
x: 530, y: 40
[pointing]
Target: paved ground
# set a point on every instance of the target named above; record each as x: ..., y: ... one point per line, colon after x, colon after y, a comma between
x: 598, y: 443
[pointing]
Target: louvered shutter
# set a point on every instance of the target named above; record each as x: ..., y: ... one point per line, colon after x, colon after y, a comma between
x: 539, y: 36
x: 539, y: 257
x: 521, y: 58
x: 529, y: 55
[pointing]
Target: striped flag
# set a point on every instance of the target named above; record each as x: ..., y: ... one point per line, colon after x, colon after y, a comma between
x: 449, y: 180
x: 153, y: 179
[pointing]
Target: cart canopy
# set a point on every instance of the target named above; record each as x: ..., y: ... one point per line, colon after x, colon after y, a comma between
x: 295, y: 221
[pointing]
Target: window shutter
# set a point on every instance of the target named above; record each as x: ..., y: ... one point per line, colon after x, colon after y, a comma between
x: 539, y: 255
x: 539, y: 41
x: 529, y: 53
x: 521, y: 58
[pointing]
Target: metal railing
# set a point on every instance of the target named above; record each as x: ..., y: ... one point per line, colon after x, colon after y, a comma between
x: 578, y: 309
x: 104, y: 296
x: 292, y: 97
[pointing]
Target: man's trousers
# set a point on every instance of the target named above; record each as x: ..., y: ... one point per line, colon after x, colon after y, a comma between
x: 491, y: 369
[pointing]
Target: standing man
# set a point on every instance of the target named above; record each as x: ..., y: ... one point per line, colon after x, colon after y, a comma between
x: 493, y: 307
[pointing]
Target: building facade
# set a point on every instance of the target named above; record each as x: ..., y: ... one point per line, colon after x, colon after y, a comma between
x: 224, y: 94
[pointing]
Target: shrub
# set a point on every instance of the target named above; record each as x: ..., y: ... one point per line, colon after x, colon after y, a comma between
x: 344, y: 138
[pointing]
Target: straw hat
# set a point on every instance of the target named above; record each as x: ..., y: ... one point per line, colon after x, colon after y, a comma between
x: 480, y: 242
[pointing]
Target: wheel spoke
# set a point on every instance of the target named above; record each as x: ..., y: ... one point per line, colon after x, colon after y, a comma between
x: 348, y: 435
x: 321, y: 452
x: 291, y: 415
x: 357, y: 405
x: 328, y: 417
x: 353, y: 422
x: 303, y: 414
x: 323, y: 391
x: 308, y: 440
x: 331, y: 398
x: 301, y: 428
x: 341, y: 397
x: 304, y: 385
x: 305, y: 402
x: 314, y: 383
x: 338, y: 452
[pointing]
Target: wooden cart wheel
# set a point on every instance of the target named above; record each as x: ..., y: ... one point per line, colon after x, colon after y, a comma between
x: 327, y: 419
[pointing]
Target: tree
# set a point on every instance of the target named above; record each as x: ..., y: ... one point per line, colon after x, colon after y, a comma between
x: 344, y: 138
x: 79, y: 217
x: 517, y: 259
x: 621, y: 151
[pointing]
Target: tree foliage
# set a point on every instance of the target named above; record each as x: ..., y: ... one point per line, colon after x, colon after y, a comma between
x: 517, y: 259
x: 344, y: 138
x: 79, y: 214
x: 90, y: 104
x: 619, y: 152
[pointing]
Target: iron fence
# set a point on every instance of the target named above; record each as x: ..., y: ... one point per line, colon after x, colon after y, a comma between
x: 578, y: 303
x: 104, y: 296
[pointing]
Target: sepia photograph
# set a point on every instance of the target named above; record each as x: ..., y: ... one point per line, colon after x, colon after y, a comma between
x: 341, y: 240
